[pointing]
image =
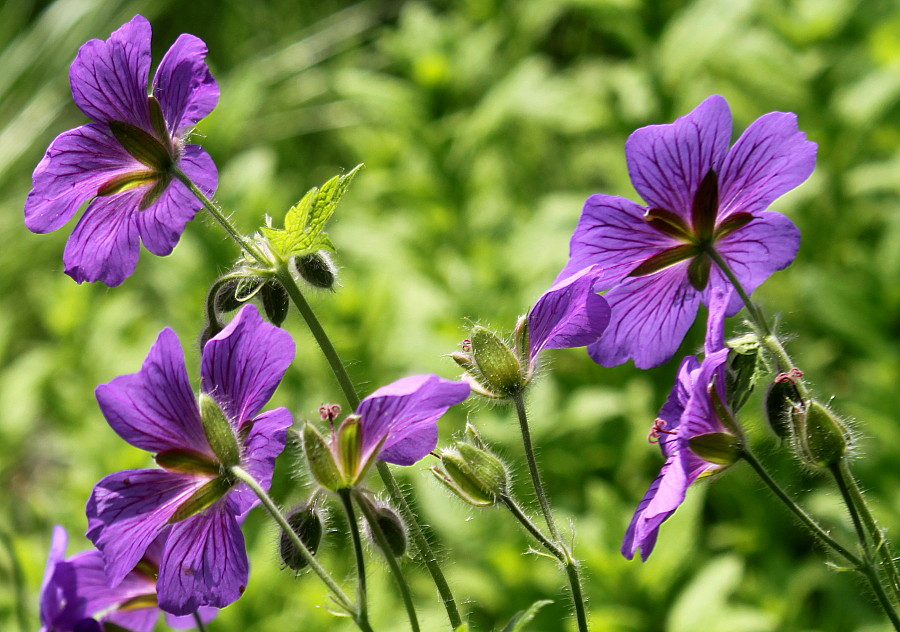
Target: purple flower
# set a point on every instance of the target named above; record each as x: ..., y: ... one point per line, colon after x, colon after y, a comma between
x: 76, y: 596
x: 194, y: 494
x: 123, y: 162
x: 688, y: 412
x: 701, y: 197
x: 569, y: 314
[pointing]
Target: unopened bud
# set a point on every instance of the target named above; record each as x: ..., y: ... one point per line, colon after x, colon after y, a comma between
x: 473, y: 473
x: 782, y: 406
x: 719, y: 448
x: 486, y: 469
x: 501, y: 373
x: 306, y: 523
x: 316, y: 269
x: 392, y: 528
x: 459, y: 481
x: 224, y: 297
x: 742, y: 371
x: 275, y: 301
x: 822, y: 436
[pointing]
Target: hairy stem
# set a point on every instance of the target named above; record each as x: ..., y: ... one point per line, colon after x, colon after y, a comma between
x: 533, y: 468
x: 394, y: 565
x: 361, y: 593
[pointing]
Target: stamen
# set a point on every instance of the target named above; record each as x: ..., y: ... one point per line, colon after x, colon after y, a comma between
x: 790, y: 376
x: 657, y: 429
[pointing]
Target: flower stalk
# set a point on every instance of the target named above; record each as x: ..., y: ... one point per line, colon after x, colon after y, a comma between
x: 362, y: 607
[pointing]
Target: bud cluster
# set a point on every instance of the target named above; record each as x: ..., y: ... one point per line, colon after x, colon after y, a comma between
x: 472, y: 471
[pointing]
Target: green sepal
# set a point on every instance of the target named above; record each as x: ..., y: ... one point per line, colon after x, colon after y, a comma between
x: 187, y: 462
x: 486, y: 469
x: 744, y: 369
x: 321, y: 460
x: 147, y: 600
x: 126, y: 182
x: 202, y: 498
x: 459, y: 480
x: 276, y: 302
x: 316, y: 269
x: 304, y: 223
x: 719, y: 448
x: 142, y: 146
x: 824, y: 436
x: 219, y: 432
x: 349, y: 450
x: 501, y: 373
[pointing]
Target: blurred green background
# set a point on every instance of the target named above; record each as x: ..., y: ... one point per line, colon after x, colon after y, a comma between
x: 483, y: 125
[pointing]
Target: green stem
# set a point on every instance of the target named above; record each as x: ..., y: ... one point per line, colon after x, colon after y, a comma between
x: 339, y: 595
x: 755, y: 314
x: 394, y: 565
x: 361, y: 595
x: 198, y: 622
x: 558, y: 551
x: 798, y: 511
x: 533, y: 468
x: 426, y: 553
x: 840, y: 473
x: 17, y: 580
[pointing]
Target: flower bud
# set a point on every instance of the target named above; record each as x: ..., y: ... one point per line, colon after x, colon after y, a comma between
x: 224, y: 296
x: 488, y: 470
x: 307, y: 524
x: 500, y: 372
x: 781, y: 407
x: 720, y: 448
x: 316, y: 269
x: 459, y: 481
x: 473, y: 473
x: 392, y: 528
x: 822, y: 437
x: 275, y: 301
x: 320, y: 459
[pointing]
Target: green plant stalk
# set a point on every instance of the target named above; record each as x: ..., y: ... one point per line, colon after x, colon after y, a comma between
x: 868, y: 568
x: 561, y: 553
x: 361, y: 593
x: 339, y: 595
x: 340, y: 372
x: 426, y: 553
x: 198, y: 622
x: 18, y: 581
x: 394, y: 565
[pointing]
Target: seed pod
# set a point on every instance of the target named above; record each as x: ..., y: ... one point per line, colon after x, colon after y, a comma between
x: 316, y: 269
x: 780, y: 407
x: 393, y: 529
x: 823, y: 437
x: 307, y: 524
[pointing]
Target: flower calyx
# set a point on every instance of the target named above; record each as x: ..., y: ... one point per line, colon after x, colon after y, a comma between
x: 821, y: 438
x: 493, y: 369
x: 473, y: 472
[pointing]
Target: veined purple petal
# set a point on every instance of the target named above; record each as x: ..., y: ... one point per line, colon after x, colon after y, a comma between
x: 155, y: 408
x: 52, y: 590
x: 105, y: 244
x: 205, y: 563
x: 76, y: 164
x: 569, y: 314
x: 244, y: 363
x: 406, y: 411
x: 769, y: 159
x: 613, y: 235
x: 186, y: 622
x: 161, y: 224
x: 671, y: 411
x: 650, y: 316
x: 668, y: 162
x: 698, y: 417
x: 767, y: 244
x: 719, y: 300
x: 263, y: 445
x: 183, y: 84
x: 128, y: 509
x: 644, y: 527
x: 109, y: 78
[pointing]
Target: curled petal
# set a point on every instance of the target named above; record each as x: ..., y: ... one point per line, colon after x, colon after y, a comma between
x: 109, y: 78
x: 155, y: 408
x: 769, y: 159
x: 128, y: 510
x: 650, y: 316
x: 205, y: 562
x: 183, y: 84
x: 668, y: 162
x: 406, y: 411
x: 243, y: 364
x: 569, y: 314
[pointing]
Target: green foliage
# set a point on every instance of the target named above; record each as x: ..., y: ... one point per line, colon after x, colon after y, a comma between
x: 522, y: 618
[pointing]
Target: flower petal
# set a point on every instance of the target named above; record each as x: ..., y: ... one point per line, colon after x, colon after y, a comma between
x: 650, y: 316
x: 76, y: 164
x: 613, y: 235
x: 769, y: 159
x: 666, y: 492
x: 767, y: 244
x: 162, y: 223
x: 264, y: 443
x: 104, y: 245
x: 569, y: 314
x: 243, y: 364
x: 407, y: 412
x: 673, y: 409
x: 205, y: 563
x: 698, y: 417
x: 155, y: 408
x: 128, y: 509
x: 183, y: 84
x: 187, y: 622
x: 109, y: 78
x: 53, y: 588
x: 668, y: 162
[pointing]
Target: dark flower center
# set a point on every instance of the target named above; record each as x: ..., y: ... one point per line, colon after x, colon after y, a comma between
x: 698, y: 237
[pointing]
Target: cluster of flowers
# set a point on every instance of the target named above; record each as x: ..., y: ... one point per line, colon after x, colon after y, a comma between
x: 170, y: 537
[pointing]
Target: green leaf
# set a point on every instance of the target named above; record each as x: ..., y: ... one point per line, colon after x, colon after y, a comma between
x: 524, y: 617
x: 463, y: 628
x: 304, y: 223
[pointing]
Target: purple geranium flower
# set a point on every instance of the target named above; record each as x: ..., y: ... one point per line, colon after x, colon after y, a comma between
x: 702, y: 197
x: 688, y: 412
x: 76, y: 596
x: 123, y: 163
x: 194, y: 494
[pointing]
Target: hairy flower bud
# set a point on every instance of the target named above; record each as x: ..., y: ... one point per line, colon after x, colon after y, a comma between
x: 275, y: 301
x: 821, y: 436
x: 307, y: 524
x: 500, y: 373
x: 316, y: 269
x: 392, y: 528
x: 782, y: 407
x: 473, y: 472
